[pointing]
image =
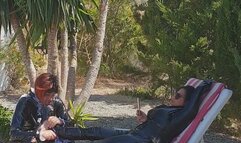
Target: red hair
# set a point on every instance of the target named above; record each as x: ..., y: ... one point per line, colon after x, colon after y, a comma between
x: 46, y: 82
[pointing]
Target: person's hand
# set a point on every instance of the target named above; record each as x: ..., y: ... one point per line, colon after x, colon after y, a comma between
x: 141, y: 116
x: 33, y: 140
x: 47, y: 135
x: 45, y: 125
x: 52, y: 122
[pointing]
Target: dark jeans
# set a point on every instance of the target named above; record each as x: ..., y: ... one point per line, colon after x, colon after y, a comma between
x: 100, y: 135
x: 93, y: 133
x: 127, y: 138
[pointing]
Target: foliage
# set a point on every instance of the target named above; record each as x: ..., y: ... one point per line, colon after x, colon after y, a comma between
x: 176, y: 48
x: 10, y: 56
x: 43, y: 14
x: 16, y: 72
x: 227, y: 61
x: 78, y: 116
x: 141, y: 92
x: 5, y: 117
x: 192, y: 39
x: 105, y: 70
x: 5, y: 20
x: 227, y: 43
x: 122, y: 36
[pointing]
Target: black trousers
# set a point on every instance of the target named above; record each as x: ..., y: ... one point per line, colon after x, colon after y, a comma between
x: 99, y: 135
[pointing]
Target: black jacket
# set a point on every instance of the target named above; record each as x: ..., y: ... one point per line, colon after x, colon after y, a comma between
x: 29, y: 114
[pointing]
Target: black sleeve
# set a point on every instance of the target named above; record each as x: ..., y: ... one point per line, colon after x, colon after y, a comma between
x: 151, y: 111
x: 61, y: 112
x: 16, y: 132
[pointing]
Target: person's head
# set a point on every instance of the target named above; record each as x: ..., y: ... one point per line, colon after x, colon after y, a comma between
x: 183, y: 95
x: 46, y: 87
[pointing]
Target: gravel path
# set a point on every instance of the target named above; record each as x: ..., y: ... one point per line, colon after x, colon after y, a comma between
x: 119, y: 111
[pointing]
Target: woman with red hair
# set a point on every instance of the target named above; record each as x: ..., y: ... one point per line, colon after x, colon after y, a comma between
x: 39, y: 105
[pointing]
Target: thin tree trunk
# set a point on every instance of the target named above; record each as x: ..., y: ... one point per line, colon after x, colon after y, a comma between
x: 52, y: 50
x: 72, y: 68
x: 64, y: 62
x: 0, y: 36
x: 97, y: 54
x: 29, y: 66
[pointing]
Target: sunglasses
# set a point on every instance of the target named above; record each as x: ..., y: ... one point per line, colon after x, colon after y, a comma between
x: 178, y: 95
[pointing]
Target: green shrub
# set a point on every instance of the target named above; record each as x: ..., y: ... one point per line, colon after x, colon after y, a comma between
x: 141, y: 92
x: 5, y: 117
x: 78, y: 116
x: 12, y: 57
x: 104, y: 70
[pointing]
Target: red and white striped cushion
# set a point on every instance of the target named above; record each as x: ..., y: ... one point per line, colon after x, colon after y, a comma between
x: 208, y: 100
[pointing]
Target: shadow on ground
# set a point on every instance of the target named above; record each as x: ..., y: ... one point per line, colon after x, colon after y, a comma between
x: 123, y: 100
x: 113, y: 122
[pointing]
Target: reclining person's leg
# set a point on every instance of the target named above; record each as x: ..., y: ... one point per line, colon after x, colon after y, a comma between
x: 127, y: 138
x: 94, y: 133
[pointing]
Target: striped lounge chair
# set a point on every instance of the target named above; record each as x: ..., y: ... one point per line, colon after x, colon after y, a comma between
x: 212, y: 103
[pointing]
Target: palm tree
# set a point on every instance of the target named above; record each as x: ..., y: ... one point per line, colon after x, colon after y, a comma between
x: 76, y: 24
x: 10, y: 18
x: 97, y: 55
x: 64, y: 61
x: 43, y: 19
x: 49, y: 16
x: 72, y: 67
x: 0, y: 35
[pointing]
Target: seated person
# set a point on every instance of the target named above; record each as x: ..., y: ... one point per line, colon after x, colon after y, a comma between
x: 160, y: 125
x: 34, y: 108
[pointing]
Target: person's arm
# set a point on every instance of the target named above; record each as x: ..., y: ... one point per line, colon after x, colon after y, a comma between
x: 46, y: 134
x: 16, y: 131
x: 60, y: 110
x: 61, y: 116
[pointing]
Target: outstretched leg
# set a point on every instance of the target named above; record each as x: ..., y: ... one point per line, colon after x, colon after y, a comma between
x: 94, y: 133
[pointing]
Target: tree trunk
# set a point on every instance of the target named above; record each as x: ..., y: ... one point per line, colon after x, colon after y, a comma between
x: 97, y: 54
x: 0, y: 36
x: 29, y: 66
x: 64, y: 62
x: 72, y: 69
x: 53, y: 50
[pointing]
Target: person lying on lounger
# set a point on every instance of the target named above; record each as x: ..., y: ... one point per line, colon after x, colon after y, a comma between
x: 160, y: 125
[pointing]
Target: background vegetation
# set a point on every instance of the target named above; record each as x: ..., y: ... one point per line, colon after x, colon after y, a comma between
x: 5, y: 116
x: 165, y: 43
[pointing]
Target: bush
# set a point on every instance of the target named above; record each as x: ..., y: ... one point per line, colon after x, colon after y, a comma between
x: 78, y: 116
x: 12, y: 57
x: 137, y: 92
x: 5, y: 117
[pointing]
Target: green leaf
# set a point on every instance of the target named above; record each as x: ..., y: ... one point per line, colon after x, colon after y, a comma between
x: 78, y: 116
